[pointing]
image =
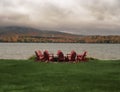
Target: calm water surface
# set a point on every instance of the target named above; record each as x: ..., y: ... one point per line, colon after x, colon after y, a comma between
x: 25, y: 50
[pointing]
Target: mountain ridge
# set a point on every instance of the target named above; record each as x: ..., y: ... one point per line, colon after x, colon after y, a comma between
x: 27, y: 31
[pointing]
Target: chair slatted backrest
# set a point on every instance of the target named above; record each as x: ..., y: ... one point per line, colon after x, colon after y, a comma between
x: 73, y: 55
x: 84, y: 55
x: 60, y: 55
x: 38, y: 54
x: 46, y: 55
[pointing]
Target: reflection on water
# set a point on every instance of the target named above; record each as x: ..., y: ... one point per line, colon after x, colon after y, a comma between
x: 25, y: 50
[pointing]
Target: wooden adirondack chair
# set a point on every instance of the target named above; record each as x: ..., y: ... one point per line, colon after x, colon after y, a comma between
x: 47, y: 56
x: 72, y: 56
x: 39, y: 55
x: 82, y: 57
x: 60, y: 56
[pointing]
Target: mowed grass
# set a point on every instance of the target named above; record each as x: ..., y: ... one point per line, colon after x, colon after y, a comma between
x: 30, y: 76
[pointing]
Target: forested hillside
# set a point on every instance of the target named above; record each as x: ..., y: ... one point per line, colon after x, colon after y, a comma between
x: 24, y: 34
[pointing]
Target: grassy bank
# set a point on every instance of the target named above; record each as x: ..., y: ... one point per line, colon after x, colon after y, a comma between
x: 29, y: 76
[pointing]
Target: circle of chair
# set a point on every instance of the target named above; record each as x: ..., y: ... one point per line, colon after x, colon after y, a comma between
x: 60, y: 57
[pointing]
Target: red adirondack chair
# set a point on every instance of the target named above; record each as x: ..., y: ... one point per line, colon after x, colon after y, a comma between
x: 82, y: 57
x: 39, y: 55
x: 72, y: 56
x: 47, y: 56
x: 60, y: 56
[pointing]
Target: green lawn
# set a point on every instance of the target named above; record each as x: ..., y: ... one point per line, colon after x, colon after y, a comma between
x: 29, y: 76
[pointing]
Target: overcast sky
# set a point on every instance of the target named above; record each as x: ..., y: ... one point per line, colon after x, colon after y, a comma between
x: 73, y: 16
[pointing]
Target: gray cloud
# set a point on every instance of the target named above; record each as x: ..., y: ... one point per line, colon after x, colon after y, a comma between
x: 76, y: 16
x: 102, y: 10
x: 14, y: 17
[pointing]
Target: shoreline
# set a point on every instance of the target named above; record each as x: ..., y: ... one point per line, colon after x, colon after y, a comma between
x: 91, y: 60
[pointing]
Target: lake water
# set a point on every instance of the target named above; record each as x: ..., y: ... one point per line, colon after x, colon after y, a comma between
x: 25, y: 50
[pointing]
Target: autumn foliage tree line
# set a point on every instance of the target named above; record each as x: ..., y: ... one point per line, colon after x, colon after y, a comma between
x: 62, y: 39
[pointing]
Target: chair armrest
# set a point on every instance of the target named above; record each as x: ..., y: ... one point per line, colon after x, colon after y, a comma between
x: 79, y: 55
